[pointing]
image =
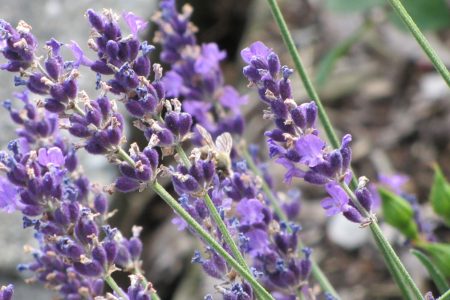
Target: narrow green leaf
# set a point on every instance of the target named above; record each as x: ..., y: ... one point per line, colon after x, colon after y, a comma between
x: 440, y: 255
x: 440, y: 195
x: 398, y: 213
x: 434, y: 272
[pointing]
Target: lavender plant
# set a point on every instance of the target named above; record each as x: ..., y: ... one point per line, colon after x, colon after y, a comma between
x: 249, y: 236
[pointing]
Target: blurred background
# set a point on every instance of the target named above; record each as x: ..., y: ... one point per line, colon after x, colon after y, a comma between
x: 375, y: 83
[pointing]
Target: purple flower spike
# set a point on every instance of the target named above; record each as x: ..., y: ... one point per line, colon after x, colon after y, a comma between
x: 134, y: 22
x: 338, y: 200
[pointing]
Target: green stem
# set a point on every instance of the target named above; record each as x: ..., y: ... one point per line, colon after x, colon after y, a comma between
x: 311, y: 91
x: 122, y: 154
x: 421, y: 40
x: 216, y: 216
x: 182, y: 155
x: 242, y: 270
x: 316, y: 271
x: 115, y: 287
x: 307, y: 82
x: 386, y: 250
x: 209, y: 239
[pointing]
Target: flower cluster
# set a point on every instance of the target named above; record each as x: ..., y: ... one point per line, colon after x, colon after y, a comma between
x: 19, y: 46
x: 295, y: 142
x: 77, y: 250
x: 195, y: 76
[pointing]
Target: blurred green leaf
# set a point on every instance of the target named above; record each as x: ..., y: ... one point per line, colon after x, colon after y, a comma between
x: 440, y: 195
x: 428, y: 14
x: 434, y: 272
x: 440, y: 255
x: 327, y: 63
x: 353, y: 5
x: 398, y: 213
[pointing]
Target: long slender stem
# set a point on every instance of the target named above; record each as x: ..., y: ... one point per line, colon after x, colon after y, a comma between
x: 307, y: 82
x: 388, y: 253
x: 209, y: 239
x: 216, y: 216
x: 421, y: 40
x: 386, y: 248
x: 242, y: 270
x: 115, y: 287
x: 316, y: 271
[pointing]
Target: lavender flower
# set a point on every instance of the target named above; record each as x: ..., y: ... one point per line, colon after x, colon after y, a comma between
x: 295, y: 142
x: 195, y: 76
x: 18, y: 46
x: 66, y: 212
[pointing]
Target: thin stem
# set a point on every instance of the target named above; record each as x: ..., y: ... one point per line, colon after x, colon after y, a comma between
x: 182, y: 155
x: 311, y: 91
x: 421, y: 40
x: 316, y: 271
x: 209, y: 239
x: 115, y: 287
x: 217, y: 218
x: 122, y: 154
x: 78, y: 110
x: 386, y: 250
x: 162, y: 192
x: 155, y: 296
x: 307, y: 82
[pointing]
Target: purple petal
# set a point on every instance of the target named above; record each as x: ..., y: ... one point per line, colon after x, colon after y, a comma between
x: 52, y: 156
x: 337, y: 202
x: 209, y: 59
x: 180, y: 223
x: 9, y: 198
x: 255, y: 49
x: 232, y: 99
x: 251, y: 211
x: 172, y: 83
x: 134, y: 22
x: 310, y: 147
x: 395, y: 182
x: 80, y: 58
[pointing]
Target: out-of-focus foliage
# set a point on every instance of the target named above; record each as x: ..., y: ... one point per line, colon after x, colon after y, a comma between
x: 429, y: 15
x: 435, y: 273
x: 399, y: 213
x: 440, y: 195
